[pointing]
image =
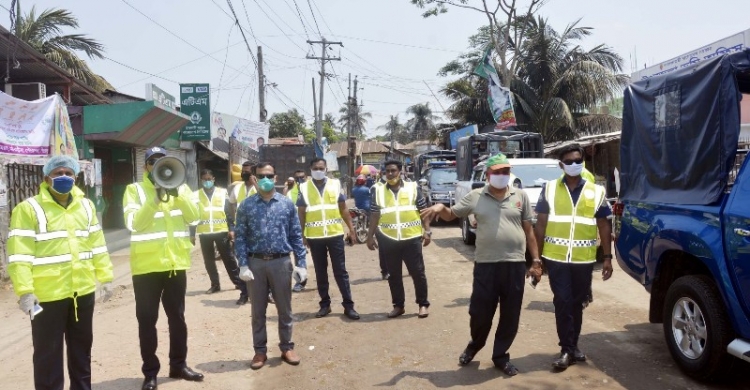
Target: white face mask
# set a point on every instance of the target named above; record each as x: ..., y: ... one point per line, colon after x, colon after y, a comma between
x: 499, y: 181
x: 318, y: 175
x: 573, y: 169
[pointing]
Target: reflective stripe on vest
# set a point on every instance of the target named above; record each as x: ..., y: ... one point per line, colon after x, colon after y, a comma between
x: 571, y: 228
x: 213, y: 219
x: 322, y: 215
x: 135, y: 237
x: 399, y: 217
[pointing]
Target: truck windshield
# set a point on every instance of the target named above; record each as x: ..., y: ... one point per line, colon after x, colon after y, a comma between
x: 443, y: 176
x: 536, y: 175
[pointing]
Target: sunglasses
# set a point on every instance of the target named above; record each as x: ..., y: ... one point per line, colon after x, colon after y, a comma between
x: 571, y: 162
x: 271, y: 176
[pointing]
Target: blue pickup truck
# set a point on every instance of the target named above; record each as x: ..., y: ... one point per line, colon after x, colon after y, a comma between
x: 683, y: 218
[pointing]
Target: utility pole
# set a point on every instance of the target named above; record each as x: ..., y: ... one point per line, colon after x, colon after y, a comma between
x: 315, y: 108
x: 323, y: 58
x: 261, y: 86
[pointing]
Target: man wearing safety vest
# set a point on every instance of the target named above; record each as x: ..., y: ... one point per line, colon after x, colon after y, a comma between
x: 56, y: 254
x: 213, y: 229
x: 322, y: 214
x: 293, y: 195
x: 159, y: 259
x: 395, y: 215
x: 569, y: 211
x: 383, y: 262
x: 244, y: 190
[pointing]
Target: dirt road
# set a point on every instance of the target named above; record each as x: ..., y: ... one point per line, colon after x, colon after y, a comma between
x: 624, y: 350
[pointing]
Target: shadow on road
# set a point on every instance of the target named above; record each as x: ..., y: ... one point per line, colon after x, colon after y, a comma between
x: 366, y: 280
x: 459, y: 302
x: 125, y: 383
x: 224, y: 303
x: 542, y: 306
x: 222, y: 366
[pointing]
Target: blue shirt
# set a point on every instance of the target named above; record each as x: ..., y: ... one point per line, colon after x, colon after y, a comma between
x: 361, y: 197
x: 301, y: 202
x: 542, y: 206
x: 268, y: 227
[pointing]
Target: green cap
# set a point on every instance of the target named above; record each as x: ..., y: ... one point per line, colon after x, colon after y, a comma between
x: 497, y: 161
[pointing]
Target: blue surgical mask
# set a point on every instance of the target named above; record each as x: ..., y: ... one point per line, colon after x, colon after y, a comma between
x: 265, y: 184
x: 208, y: 184
x: 63, y: 184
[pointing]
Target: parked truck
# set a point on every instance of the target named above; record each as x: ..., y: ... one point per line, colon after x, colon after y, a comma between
x: 436, y: 174
x: 683, y: 227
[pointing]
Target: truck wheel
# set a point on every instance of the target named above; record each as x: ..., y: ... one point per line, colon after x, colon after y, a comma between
x: 696, y: 328
x: 466, y: 234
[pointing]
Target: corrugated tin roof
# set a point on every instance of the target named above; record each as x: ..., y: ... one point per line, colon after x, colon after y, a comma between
x: 35, y: 68
x: 583, y: 141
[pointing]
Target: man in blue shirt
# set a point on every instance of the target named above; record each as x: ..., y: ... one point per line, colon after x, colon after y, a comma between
x: 266, y: 230
x: 361, y: 194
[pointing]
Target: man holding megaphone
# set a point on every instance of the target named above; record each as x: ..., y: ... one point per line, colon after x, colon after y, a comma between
x: 158, y: 211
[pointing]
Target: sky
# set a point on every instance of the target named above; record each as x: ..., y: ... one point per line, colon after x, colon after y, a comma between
x: 387, y: 45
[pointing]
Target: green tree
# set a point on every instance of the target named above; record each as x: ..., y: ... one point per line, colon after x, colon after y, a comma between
x: 287, y: 124
x: 395, y: 130
x: 44, y: 32
x: 358, y: 124
x: 422, y: 124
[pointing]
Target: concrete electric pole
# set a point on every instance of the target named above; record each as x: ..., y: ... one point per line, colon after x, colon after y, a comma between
x: 323, y: 58
x: 261, y: 86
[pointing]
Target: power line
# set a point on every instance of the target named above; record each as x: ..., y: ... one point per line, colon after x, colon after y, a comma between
x: 244, y: 38
x: 313, y: 15
x: 299, y: 14
x: 141, y: 71
x: 322, y: 17
x: 275, y: 24
x: 223, y: 68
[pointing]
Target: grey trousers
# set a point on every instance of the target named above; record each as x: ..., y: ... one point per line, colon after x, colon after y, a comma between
x: 274, y: 275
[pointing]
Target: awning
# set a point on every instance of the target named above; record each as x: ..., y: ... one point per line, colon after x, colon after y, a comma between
x: 145, y: 123
x: 219, y: 154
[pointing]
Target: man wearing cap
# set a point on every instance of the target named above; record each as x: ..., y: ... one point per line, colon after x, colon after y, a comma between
x: 56, y: 254
x: 159, y: 259
x: 504, y: 233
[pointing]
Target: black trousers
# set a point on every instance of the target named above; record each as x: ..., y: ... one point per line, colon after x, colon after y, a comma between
x: 501, y: 282
x: 58, y: 320
x: 381, y: 257
x: 169, y: 288
x: 410, y: 253
x: 320, y: 248
x: 571, y: 286
x: 222, y: 244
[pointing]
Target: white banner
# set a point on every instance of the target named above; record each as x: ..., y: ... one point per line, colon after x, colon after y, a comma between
x: 250, y: 133
x: 25, y: 126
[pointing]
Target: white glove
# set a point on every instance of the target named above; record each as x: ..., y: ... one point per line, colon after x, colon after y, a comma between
x: 246, y: 274
x: 299, y: 274
x: 107, y: 291
x: 27, y: 302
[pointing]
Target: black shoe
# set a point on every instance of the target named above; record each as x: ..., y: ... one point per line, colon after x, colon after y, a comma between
x: 242, y: 300
x: 579, y: 356
x: 324, y: 311
x: 385, y: 275
x: 213, y: 289
x: 466, y: 357
x: 508, y: 368
x: 149, y: 383
x: 187, y: 374
x: 351, y: 313
x: 564, y: 361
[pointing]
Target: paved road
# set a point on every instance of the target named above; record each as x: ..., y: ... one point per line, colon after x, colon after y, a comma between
x: 625, y: 351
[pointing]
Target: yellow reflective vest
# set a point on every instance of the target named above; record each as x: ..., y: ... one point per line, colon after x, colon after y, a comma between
x: 212, y: 216
x: 241, y: 193
x: 293, y: 194
x: 159, y: 238
x: 56, y: 252
x: 322, y: 216
x: 571, y: 229
x: 399, y: 217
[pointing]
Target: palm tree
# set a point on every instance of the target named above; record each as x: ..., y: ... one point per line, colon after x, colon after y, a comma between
x: 396, y: 130
x: 422, y: 125
x: 44, y: 33
x: 469, y: 95
x: 358, y: 125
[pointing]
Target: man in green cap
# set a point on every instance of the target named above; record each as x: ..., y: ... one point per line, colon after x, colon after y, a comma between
x: 504, y: 233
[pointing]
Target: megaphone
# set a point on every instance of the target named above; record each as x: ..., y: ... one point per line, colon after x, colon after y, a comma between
x: 168, y: 173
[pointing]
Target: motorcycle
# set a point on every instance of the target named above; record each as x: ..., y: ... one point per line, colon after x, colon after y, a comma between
x: 361, y: 222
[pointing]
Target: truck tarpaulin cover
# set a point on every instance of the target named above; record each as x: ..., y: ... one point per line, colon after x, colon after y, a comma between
x: 680, y: 133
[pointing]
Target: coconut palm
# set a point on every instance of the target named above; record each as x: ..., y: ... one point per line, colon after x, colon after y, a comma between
x: 44, y: 32
x: 422, y: 124
x: 358, y: 125
x: 396, y: 130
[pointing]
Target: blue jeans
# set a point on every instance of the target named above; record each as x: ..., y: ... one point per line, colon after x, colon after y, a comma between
x: 320, y: 248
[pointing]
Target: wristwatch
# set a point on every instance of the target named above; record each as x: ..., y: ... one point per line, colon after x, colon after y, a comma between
x: 428, y: 232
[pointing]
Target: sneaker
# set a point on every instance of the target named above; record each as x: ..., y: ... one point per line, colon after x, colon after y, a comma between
x: 298, y: 288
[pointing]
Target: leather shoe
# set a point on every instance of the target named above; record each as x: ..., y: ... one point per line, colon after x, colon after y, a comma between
x: 290, y: 357
x: 352, y: 314
x: 324, y: 311
x: 397, y: 311
x: 385, y: 275
x: 579, y: 356
x: 187, y: 374
x: 213, y: 289
x: 564, y: 361
x: 149, y: 383
x: 466, y: 357
x: 423, y: 312
x: 242, y: 300
x: 259, y: 360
